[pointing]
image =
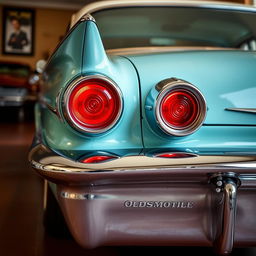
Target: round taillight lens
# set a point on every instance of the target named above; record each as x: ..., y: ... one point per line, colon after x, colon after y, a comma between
x: 180, y: 107
x: 93, y: 105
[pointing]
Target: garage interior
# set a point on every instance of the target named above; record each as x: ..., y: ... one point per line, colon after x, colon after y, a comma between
x: 21, y: 202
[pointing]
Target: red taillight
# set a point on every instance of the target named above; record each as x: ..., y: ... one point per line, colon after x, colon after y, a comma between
x: 93, y: 104
x: 175, y: 155
x: 97, y: 159
x: 180, y: 107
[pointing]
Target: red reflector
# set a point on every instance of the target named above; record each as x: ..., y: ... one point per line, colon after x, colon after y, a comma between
x: 94, y: 105
x: 97, y: 159
x: 175, y: 155
x: 179, y: 109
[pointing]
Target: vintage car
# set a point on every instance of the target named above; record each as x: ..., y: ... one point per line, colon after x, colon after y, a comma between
x: 16, y: 88
x: 146, y: 128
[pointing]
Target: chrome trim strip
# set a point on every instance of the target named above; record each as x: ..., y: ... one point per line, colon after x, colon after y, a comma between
x: 80, y: 196
x: 249, y: 177
x: 66, y: 111
x: 166, y: 86
x: 244, y: 110
x: 160, y: 49
x: 50, y: 107
x: 77, y: 196
x: 101, y: 5
x: 43, y: 159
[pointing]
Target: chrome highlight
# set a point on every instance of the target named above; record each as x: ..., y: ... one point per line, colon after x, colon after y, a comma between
x: 50, y: 107
x: 43, y: 159
x: 80, y: 196
x: 77, y: 196
x: 226, y: 212
x: 243, y: 110
x: 54, y: 110
x: 166, y: 86
x: 159, y: 49
x: 88, y: 17
x: 66, y: 111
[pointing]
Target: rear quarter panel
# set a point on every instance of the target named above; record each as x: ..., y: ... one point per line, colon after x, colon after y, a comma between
x: 82, y: 54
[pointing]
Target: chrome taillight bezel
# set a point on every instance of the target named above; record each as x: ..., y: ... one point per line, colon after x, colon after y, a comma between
x: 171, y: 85
x: 66, y: 111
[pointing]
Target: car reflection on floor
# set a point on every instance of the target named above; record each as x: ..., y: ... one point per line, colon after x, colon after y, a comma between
x: 21, y: 205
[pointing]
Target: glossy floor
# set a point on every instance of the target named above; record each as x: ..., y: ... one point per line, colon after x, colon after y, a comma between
x: 21, y: 213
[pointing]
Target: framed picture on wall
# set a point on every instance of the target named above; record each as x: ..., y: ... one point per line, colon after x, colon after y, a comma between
x: 18, y: 31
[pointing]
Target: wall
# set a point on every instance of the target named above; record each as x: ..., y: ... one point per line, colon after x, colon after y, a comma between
x: 50, y: 25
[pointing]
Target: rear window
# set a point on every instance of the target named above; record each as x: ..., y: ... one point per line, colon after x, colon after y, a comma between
x: 175, y: 26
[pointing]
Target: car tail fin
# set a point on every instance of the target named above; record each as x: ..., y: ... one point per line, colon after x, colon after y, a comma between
x: 94, y: 54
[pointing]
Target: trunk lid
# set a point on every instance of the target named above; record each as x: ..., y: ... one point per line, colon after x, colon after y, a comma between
x: 227, y: 79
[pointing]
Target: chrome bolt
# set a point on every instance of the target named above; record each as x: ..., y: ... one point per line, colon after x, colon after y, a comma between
x: 219, y: 183
x: 218, y: 190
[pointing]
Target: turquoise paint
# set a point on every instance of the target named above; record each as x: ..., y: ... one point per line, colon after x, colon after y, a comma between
x: 207, y: 140
x: 125, y: 137
x: 63, y: 139
x: 225, y: 78
x: 95, y: 59
x: 220, y: 75
x: 64, y: 65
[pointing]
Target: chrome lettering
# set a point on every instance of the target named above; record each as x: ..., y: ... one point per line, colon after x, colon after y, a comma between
x: 142, y: 204
x: 149, y: 204
x: 159, y: 204
x: 190, y: 204
x: 166, y: 204
x: 128, y: 203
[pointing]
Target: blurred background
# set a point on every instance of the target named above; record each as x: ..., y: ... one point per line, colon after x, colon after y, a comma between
x: 21, y: 200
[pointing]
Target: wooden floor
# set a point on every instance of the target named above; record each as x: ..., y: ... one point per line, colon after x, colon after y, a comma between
x: 21, y: 229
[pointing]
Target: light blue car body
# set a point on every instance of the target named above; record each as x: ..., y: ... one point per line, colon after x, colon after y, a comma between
x: 226, y: 78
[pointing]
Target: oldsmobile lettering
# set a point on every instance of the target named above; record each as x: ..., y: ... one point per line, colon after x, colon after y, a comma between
x: 158, y: 204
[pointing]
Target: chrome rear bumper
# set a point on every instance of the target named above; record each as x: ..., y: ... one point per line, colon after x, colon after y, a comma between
x: 52, y: 165
x: 140, y: 200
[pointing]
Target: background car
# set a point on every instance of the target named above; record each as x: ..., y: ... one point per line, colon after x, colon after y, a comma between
x: 152, y: 142
x: 16, y: 85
